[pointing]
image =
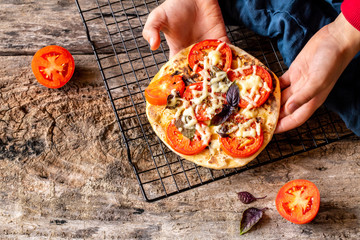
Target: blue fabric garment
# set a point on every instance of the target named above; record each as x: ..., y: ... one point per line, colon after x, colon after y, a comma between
x: 293, y: 23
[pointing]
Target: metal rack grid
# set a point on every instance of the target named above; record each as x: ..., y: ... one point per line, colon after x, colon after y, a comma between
x: 127, y: 66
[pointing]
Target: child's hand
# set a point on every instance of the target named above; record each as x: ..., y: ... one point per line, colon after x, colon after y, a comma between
x: 315, y: 71
x: 184, y: 23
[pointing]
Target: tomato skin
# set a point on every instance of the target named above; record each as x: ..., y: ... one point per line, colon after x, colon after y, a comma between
x: 233, y: 145
x: 53, y: 66
x: 198, y: 51
x: 292, y: 195
x: 182, y: 144
x: 264, y: 75
x: 158, y: 91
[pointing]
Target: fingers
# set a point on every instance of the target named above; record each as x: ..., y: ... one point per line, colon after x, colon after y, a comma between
x: 297, y: 118
x: 155, y: 22
x: 284, y: 80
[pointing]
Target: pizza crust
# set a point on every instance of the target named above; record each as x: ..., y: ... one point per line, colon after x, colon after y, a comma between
x: 215, y: 158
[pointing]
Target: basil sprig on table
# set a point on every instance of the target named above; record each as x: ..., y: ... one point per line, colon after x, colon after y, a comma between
x: 233, y: 98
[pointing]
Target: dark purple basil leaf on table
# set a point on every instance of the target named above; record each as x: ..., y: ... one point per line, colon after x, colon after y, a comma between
x: 246, y: 197
x: 249, y: 218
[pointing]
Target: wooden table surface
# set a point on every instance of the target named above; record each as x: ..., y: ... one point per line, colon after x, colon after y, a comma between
x: 65, y: 175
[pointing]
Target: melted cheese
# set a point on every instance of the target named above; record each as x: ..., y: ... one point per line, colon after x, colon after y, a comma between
x: 215, y: 57
x: 204, y: 132
x: 250, y: 88
x: 188, y: 118
x: 245, y: 129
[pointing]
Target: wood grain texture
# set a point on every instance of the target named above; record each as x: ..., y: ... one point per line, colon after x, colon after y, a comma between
x: 64, y: 173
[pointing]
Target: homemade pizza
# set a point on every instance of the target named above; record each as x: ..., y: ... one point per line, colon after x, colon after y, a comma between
x: 214, y: 104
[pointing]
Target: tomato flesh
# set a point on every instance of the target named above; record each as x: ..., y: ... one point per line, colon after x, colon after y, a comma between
x: 200, y: 110
x: 53, y: 66
x: 298, y: 201
x: 203, y: 48
x: 264, y: 93
x: 158, y: 91
x: 182, y: 144
x: 242, y: 147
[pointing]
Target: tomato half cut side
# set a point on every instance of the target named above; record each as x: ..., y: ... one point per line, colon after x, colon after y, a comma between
x: 221, y: 58
x: 53, y: 66
x: 158, y: 91
x: 298, y: 201
x: 263, y: 91
x: 182, y: 144
x: 242, y: 147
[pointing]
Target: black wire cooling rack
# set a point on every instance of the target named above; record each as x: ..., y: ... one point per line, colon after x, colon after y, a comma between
x: 127, y: 66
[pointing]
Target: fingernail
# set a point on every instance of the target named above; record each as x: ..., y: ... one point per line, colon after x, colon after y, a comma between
x: 292, y: 108
x: 151, y: 42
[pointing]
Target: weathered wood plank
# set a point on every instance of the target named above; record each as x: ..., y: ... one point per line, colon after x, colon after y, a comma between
x: 30, y: 25
x: 64, y: 174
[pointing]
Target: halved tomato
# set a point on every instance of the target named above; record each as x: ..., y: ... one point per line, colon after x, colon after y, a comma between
x: 158, y: 91
x: 201, y: 109
x: 182, y: 144
x: 222, y: 58
x: 53, y: 66
x: 242, y: 147
x: 263, y: 91
x: 298, y: 201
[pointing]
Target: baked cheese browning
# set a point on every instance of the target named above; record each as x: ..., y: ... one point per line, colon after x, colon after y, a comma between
x: 233, y: 143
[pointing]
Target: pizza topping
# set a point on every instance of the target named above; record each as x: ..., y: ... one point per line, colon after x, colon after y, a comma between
x: 213, y: 52
x: 222, y: 116
x: 158, y: 90
x: 204, y: 131
x: 232, y: 98
x: 188, y: 117
x: 173, y: 100
x: 184, y: 145
x: 206, y: 102
x: 255, y: 85
x: 187, y: 132
x: 246, y: 140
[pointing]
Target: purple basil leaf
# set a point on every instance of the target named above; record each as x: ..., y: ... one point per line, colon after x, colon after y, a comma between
x: 246, y: 197
x: 249, y: 218
x: 233, y: 95
x: 222, y: 116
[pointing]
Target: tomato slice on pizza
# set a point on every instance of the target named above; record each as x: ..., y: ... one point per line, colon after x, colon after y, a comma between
x: 206, y: 105
x: 184, y: 145
x: 158, y: 91
x: 217, y: 53
x: 255, y: 84
x: 245, y: 141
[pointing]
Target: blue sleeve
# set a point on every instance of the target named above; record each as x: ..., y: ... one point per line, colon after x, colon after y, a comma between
x: 292, y: 23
